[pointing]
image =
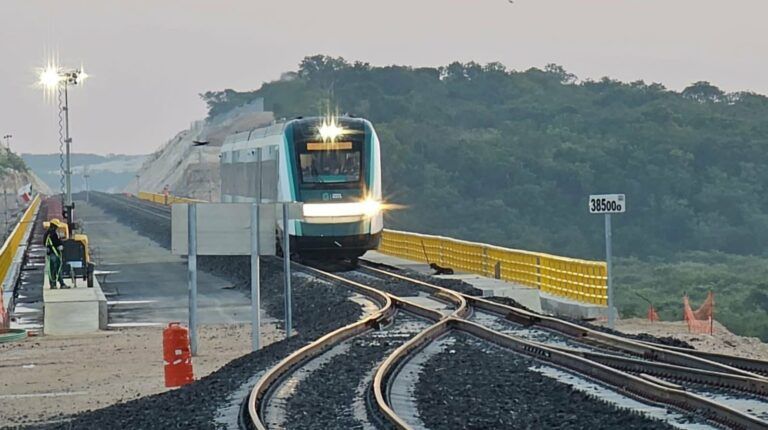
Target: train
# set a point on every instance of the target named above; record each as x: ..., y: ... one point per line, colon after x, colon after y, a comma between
x: 330, y: 164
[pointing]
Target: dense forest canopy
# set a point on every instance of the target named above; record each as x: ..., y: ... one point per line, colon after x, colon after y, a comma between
x: 484, y: 153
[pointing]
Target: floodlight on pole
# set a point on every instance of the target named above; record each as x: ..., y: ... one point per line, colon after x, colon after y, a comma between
x: 54, y: 79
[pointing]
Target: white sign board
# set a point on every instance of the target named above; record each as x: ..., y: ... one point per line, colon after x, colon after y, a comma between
x: 223, y: 229
x: 607, y: 204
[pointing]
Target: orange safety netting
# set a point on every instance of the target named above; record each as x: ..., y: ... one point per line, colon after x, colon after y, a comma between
x: 700, y: 320
x: 652, y: 315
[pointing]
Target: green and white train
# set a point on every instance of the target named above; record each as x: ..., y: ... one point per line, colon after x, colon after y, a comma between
x: 332, y: 165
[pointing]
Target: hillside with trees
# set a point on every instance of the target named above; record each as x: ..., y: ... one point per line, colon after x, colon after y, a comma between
x: 484, y: 153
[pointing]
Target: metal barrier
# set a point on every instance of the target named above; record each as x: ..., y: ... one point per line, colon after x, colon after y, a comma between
x: 8, y: 251
x: 580, y: 280
x: 165, y: 199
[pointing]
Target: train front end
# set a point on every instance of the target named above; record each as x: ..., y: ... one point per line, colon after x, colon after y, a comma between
x: 336, y: 173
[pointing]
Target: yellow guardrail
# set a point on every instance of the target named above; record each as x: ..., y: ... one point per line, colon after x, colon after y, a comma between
x: 581, y: 280
x: 8, y: 251
x: 164, y: 199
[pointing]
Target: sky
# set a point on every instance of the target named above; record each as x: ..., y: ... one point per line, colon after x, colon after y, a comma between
x: 149, y: 59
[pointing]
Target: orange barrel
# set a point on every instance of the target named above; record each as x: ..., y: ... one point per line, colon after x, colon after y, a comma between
x: 177, y: 357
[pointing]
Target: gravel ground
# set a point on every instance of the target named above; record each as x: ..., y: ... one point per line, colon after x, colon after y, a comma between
x: 318, y: 308
x: 722, y: 342
x: 453, y: 284
x: 50, y: 377
x: 473, y: 385
x: 334, y: 396
x: 392, y: 286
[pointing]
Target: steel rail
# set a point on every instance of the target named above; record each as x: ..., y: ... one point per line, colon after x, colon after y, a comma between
x: 645, y: 388
x: 390, y: 304
x: 664, y: 370
x: 587, y: 335
x: 638, y: 386
x: 658, y: 391
x: 259, y: 393
x: 646, y: 350
x: 744, y: 363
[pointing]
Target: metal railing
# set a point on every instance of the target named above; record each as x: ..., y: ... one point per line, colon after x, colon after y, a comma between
x: 8, y: 251
x: 580, y: 280
x: 166, y: 199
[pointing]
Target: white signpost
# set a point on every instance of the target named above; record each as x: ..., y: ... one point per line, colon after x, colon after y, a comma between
x: 608, y: 204
x: 231, y: 229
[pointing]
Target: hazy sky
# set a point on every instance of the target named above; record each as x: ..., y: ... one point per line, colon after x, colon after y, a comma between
x: 150, y: 58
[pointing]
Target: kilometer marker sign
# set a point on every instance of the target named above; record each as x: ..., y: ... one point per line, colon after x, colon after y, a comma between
x: 607, y: 204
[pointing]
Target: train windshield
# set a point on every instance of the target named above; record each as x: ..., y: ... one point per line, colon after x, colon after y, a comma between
x: 330, y: 166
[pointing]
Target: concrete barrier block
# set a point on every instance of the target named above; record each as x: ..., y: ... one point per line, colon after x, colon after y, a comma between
x: 78, y: 310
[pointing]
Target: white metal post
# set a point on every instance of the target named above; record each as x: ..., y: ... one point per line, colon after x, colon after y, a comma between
x: 192, y: 275
x: 87, y: 190
x: 287, y: 271
x: 611, y: 304
x: 255, y: 279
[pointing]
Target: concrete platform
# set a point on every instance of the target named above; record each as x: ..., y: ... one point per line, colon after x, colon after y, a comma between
x: 147, y: 285
x: 78, y: 310
x: 526, y: 296
x: 560, y: 306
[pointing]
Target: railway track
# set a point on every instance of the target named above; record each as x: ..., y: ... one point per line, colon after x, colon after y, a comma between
x: 659, y: 374
x: 630, y: 376
x: 702, y: 383
x: 134, y: 204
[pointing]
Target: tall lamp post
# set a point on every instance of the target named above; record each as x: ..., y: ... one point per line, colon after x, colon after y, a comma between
x: 86, y: 175
x: 55, y: 78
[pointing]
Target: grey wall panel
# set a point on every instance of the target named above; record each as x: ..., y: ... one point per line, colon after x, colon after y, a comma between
x: 223, y: 229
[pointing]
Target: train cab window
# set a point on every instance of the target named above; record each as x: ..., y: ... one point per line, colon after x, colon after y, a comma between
x: 330, y: 167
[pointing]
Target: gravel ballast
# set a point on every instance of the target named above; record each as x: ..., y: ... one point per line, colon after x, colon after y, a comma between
x: 474, y: 385
x: 334, y: 396
x: 318, y: 308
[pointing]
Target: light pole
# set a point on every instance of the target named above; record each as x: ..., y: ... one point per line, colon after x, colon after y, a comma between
x: 7, y: 138
x: 86, y: 175
x: 55, y: 78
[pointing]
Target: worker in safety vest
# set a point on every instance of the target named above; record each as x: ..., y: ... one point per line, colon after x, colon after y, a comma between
x: 54, y: 247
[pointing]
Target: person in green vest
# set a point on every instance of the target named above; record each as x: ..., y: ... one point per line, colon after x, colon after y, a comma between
x: 53, y: 248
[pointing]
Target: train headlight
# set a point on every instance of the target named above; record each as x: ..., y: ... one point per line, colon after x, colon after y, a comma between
x: 366, y: 208
x: 370, y: 207
x: 329, y: 130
